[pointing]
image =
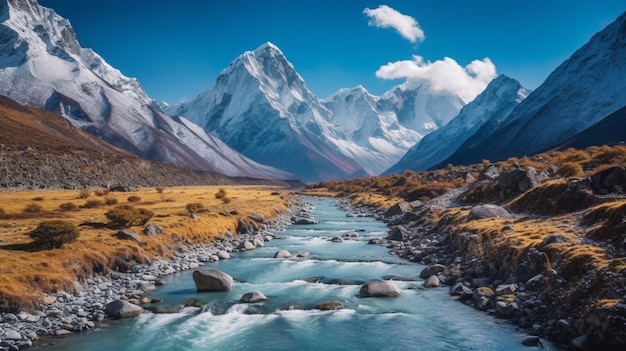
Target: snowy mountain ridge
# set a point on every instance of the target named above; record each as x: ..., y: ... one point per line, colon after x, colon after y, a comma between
x: 43, y: 65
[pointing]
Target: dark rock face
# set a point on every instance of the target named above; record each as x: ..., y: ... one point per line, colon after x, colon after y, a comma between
x: 610, y: 180
x: 212, y: 280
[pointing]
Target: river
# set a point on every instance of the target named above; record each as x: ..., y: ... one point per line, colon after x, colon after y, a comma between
x: 420, y: 319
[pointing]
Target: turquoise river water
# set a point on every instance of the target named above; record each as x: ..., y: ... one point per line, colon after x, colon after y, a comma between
x: 420, y: 319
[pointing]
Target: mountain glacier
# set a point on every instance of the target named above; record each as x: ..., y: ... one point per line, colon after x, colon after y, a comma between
x: 493, y: 104
x: 43, y: 65
x: 260, y: 106
x: 582, y: 91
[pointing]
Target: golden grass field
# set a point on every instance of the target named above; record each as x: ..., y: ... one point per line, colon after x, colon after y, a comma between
x: 26, y: 274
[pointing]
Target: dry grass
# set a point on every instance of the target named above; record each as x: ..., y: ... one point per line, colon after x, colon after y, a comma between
x: 25, y: 274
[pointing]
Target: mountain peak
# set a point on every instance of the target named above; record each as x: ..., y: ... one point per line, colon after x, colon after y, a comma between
x: 267, y: 47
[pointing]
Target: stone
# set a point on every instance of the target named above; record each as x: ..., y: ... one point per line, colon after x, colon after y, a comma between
x: 12, y: 335
x: 253, y: 297
x: 152, y: 230
x: 506, y: 289
x: 212, y: 280
x: 397, y: 209
x: 579, y: 343
x: 303, y: 254
x: 397, y: 234
x: 532, y: 341
x: 223, y: 255
x: 10, y: 318
x: 553, y: 239
x: 459, y: 289
x: 350, y: 235
x: 122, y: 309
x: 175, y: 238
x: 432, y: 282
x: 258, y: 242
x: 62, y: 332
x: 243, y: 227
x: 328, y: 305
x: 257, y: 217
x: 282, y: 254
x: 127, y: 234
x: 432, y: 270
x: 506, y: 309
x: 610, y: 180
x: 121, y: 188
x: 517, y: 181
x: 375, y: 241
x: 193, y: 216
x: 478, y: 282
x: 535, y: 283
x: 336, y: 239
x: 487, y: 211
x: 246, y: 245
x: 379, y: 288
x: 303, y: 220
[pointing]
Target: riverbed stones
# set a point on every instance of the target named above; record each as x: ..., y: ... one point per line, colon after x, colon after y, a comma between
x: 379, y: 288
x: 253, y: 297
x: 282, y: 254
x: 122, y: 309
x: 212, y: 280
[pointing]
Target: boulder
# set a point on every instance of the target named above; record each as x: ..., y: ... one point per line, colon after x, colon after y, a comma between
x: 303, y: 254
x: 432, y: 270
x: 610, y: 180
x: 223, y: 255
x: 487, y: 211
x: 432, y: 282
x: 397, y: 234
x: 350, y: 235
x: 212, y: 280
x: 532, y: 341
x: 304, y: 220
x: 397, y: 209
x: 336, y: 239
x: 282, y: 254
x: 506, y: 289
x: 127, y: 234
x: 253, y: 297
x: 375, y: 241
x: 122, y: 309
x: 121, y: 188
x: 553, y: 239
x: 329, y: 305
x: 517, y: 181
x: 152, y: 230
x: 459, y: 289
x: 379, y: 288
x: 257, y: 217
x: 246, y: 245
x: 243, y: 227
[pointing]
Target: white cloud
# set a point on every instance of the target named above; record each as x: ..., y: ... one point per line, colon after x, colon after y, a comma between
x: 386, y: 17
x: 444, y: 75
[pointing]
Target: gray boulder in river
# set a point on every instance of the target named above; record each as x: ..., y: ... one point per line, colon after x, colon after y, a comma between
x: 252, y: 297
x: 212, y: 280
x: 379, y: 288
x: 122, y: 309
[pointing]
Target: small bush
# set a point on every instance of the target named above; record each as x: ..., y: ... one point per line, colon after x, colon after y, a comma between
x: 54, y: 234
x: 569, y: 169
x: 220, y: 194
x: 33, y: 208
x: 194, y: 207
x: 134, y: 198
x: 68, y: 206
x: 110, y: 201
x: 226, y: 200
x: 3, y: 214
x: 160, y: 190
x: 38, y: 198
x: 102, y: 192
x: 83, y: 194
x: 128, y: 216
x: 93, y: 204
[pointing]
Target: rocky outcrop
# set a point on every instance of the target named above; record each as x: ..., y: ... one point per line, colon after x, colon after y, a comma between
x: 212, y: 280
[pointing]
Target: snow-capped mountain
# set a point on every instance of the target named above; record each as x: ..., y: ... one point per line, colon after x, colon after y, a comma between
x: 261, y: 106
x: 583, y: 90
x: 43, y: 65
x: 493, y: 104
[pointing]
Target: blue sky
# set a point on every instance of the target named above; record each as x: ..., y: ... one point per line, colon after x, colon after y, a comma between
x: 177, y: 48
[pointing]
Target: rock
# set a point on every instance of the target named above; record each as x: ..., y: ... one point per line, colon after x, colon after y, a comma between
x: 478, y: 282
x: 350, y: 235
x: 246, y: 245
x: 532, y: 341
x: 506, y: 309
x: 175, y: 238
x: 127, y: 234
x: 579, y: 343
x: 375, y: 241
x: 122, y: 309
x: 535, y: 283
x: 397, y: 209
x: 336, y: 239
x: 518, y: 181
x: 193, y: 216
x: 12, y: 335
x: 62, y: 332
x: 121, y: 188
x: 397, y: 234
x: 482, y: 298
x: 489, y: 173
x: 553, y: 239
x: 223, y: 255
x: 432, y: 282
x: 212, y: 280
x: 258, y: 242
x: 432, y: 270
x: 303, y: 254
x: 257, y: 217
x: 610, y: 180
x: 303, y: 220
x: 253, y: 297
x: 329, y: 305
x: 379, y: 288
x: 459, y: 289
x: 10, y: 318
x: 487, y: 211
x: 506, y: 289
x: 152, y: 230
x: 282, y: 254
x: 243, y: 227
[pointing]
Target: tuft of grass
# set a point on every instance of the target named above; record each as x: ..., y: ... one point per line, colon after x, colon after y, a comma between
x: 110, y: 201
x: 93, y: 204
x: 83, y: 194
x: 220, y: 194
x: 128, y: 216
x: 32, y: 208
x: 134, y: 198
x: 68, y: 206
x: 194, y: 207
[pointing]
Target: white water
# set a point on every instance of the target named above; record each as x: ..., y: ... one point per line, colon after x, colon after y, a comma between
x: 420, y: 319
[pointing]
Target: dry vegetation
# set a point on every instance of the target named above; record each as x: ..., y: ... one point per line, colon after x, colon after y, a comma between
x: 26, y: 271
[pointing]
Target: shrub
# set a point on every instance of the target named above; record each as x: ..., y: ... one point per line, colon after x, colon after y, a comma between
x: 194, y: 207
x: 33, y: 208
x: 102, y: 192
x: 160, y: 189
x: 128, y: 216
x: 53, y: 234
x: 3, y: 214
x: 83, y: 194
x: 220, y: 194
x: 68, y: 206
x: 93, y: 204
x: 226, y: 200
x: 38, y: 198
x: 569, y: 169
x: 110, y: 201
x: 134, y: 198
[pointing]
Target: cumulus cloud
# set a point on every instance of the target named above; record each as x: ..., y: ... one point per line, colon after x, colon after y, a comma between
x: 386, y: 17
x: 443, y: 75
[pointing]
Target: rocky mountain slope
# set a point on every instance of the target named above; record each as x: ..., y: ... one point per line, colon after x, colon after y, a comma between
x: 260, y: 106
x: 43, y: 65
x: 581, y: 92
x: 493, y: 104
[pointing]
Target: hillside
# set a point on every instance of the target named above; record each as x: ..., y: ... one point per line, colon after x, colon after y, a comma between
x: 539, y: 241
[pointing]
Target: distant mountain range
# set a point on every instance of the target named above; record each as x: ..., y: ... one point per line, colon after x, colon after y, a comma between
x: 260, y: 120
